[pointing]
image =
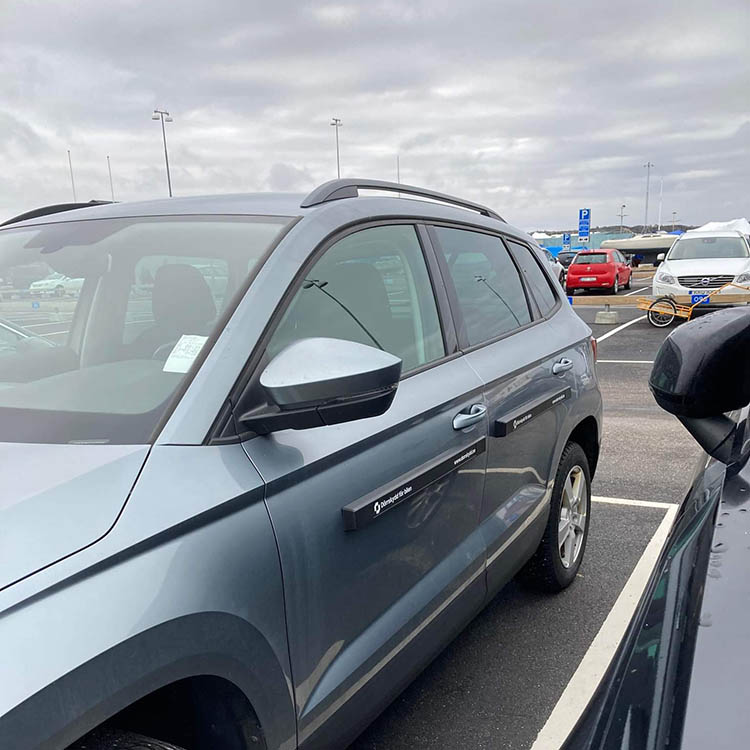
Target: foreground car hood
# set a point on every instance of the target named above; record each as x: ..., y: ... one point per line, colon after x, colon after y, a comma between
x: 57, y: 499
x: 706, y: 266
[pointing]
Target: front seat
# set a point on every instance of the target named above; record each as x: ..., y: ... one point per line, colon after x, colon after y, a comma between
x: 181, y: 303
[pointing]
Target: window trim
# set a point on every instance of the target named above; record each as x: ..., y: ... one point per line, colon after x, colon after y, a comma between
x: 464, y: 344
x: 247, y: 380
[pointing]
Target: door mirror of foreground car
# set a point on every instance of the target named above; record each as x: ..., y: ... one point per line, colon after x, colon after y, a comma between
x: 660, y: 256
x: 701, y: 373
x: 321, y: 381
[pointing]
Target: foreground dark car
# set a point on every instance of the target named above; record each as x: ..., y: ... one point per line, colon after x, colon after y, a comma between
x: 680, y: 677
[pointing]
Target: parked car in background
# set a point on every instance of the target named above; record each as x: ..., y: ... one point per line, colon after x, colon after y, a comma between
x: 701, y: 261
x: 56, y: 285
x: 679, y: 679
x: 565, y: 257
x: 245, y: 509
x: 558, y: 269
x: 599, y: 269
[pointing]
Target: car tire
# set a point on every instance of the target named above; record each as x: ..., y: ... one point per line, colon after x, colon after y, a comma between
x: 553, y: 569
x: 616, y: 286
x: 115, y: 739
x: 628, y: 284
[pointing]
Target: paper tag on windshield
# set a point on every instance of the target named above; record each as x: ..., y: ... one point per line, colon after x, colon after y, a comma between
x: 184, y: 353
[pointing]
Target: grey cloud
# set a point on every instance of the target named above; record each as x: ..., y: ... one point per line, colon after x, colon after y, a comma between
x: 536, y: 108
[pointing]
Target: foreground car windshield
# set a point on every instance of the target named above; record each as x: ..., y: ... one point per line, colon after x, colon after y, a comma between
x: 97, y: 361
x: 591, y: 258
x: 692, y: 248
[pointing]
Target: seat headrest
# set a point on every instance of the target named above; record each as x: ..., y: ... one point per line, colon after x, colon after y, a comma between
x: 181, y: 297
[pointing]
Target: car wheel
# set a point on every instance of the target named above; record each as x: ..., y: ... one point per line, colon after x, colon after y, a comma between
x: 616, y: 286
x: 115, y: 739
x: 628, y: 282
x: 557, y: 559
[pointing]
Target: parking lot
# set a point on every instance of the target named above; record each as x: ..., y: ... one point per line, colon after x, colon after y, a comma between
x: 526, y: 664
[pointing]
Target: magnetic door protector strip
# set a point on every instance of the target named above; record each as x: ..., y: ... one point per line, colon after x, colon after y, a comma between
x: 509, y: 424
x: 363, y: 512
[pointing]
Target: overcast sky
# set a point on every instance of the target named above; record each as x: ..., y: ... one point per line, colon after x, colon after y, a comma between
x: 535, y: 108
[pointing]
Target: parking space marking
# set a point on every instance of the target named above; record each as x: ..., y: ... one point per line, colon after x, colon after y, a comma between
x: 635, y: 291
x: 625, y: 361
x: 618, y: 329
x: 626, y: 501
x: 586, y: 678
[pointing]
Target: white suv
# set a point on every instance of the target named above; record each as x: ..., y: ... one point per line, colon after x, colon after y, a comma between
x: 703, y: 261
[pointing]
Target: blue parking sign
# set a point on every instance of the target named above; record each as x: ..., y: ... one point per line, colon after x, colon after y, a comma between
x: 584, y: 224
x: 566, y: 241
x: 34, y: 305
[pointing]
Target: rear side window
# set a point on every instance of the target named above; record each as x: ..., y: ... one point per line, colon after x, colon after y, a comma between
x: 537, y: 282
x: 489, y: 290
x: 371, y: 287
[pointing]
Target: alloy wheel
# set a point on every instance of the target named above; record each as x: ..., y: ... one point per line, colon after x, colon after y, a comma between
x: 573, y: 516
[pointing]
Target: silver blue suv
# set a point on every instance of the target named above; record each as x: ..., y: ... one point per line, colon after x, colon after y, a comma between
x: 273, y: 453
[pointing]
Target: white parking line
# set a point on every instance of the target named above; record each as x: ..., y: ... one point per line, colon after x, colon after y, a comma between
x: 626, y: 501
x: 635, y: 291
x: 586, y: 678
x: 618, y: 329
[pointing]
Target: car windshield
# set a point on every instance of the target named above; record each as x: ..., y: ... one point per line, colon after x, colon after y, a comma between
x: 692, y: 248
x: 98, y: 360
x: 591, y: 258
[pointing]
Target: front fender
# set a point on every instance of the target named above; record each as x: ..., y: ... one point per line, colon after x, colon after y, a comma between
x: 211, y: 643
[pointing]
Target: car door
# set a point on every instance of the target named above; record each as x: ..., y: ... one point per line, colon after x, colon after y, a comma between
x: 376, y: 520
x: 508, y: 342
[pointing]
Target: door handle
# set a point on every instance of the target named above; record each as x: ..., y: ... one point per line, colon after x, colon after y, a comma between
x: 467, y: 419
x: 562, y: 366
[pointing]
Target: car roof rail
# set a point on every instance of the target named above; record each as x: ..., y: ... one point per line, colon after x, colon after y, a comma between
x: 52, y: 209
x: 334, y: 190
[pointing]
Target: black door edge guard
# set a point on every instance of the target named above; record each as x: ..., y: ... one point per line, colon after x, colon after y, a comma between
x: 364, y: 511
x: 515, y: 420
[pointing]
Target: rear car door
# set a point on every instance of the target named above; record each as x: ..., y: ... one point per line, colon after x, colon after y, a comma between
x: 507, y: 338
x: 376, y: 520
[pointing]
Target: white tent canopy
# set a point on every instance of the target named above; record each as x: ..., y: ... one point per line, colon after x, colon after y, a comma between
x: 739, y: 225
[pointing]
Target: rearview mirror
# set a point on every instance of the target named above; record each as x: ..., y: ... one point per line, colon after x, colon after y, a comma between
x: 321, y: 381
x: 701, y: 372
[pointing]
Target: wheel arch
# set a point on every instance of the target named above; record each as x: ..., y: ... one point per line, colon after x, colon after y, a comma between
x: 586, y: 434
x: 206, y: 657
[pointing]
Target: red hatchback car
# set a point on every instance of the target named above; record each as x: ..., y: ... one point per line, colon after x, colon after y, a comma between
x: 599, y: 269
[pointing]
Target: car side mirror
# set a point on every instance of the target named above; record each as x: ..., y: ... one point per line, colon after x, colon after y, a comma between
x: 321, y: 381
x: 660, y: 256
x: 702, y: 372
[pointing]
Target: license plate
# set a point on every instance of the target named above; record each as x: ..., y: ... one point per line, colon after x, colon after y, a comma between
x: 588, y: 278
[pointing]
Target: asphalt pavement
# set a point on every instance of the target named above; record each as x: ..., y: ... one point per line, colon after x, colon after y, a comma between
x: 497, y: 683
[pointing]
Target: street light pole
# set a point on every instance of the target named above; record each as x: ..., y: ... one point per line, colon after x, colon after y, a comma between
x: 111, y: 186
x: 648, y: 166
x: 72, y: 181
x: 164, y: 116
x: 674, y: 219
x: 336, y: 123
x: 622, y: 217
x: 398, y: 170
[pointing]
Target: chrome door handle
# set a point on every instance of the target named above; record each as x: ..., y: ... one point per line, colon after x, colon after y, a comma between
x: 562, y: 366
x: 467, y: 419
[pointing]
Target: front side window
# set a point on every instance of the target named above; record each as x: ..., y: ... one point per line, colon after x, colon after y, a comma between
x: 693, y: 248
x: 489, y: 290
x: 371, y: 287
x: 535, y: 278
x: 101, y: 320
